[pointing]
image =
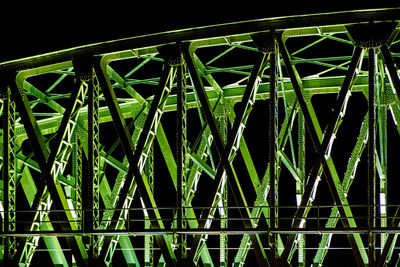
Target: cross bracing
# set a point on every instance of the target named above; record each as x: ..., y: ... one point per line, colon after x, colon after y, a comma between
x: 243, y: 143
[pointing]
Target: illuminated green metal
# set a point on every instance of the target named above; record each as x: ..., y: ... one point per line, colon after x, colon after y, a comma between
x: 243, y: 149
x: 106, y: 195
x: 52, y: 243
x: 132, y: 72
x: 225, y: 170
x: 76, y: 190
x: 300, y: 183
x: 63, y: 153
x: 223, y: 204
x: 262, y: 188
x: 181, y: 159
x: 148, y: 239
x: 94, y: 135
x: 392, y: 100
x: 382, y: 139
x: 9, y: 173
x: 328, y: 85
x: 141, y: 163
x: 169, y: 160
x: 347, y: 181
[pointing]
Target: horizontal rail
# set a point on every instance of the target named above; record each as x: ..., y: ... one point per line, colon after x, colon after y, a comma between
x: 285, y: 207
x: 314, y: 223
x: 208, y: 231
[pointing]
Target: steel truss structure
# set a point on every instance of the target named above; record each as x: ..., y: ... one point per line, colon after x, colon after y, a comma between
x: 268, y: 142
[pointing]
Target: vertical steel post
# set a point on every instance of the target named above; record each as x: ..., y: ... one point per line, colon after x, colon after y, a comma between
x: 93, y: 83
x: 9, y: 175
x: 77, y: 174
x: 321, y: 148
x: 221, y: 117
x: 381, y: 117
x: 371, y: 36
x: 394, y: 77
x: 5, y: 176
x: 91, y: 195
x: 246, y: 103
x: 134, y: 155
x: 149, y: 239
x: 46, y: 161
x: 88, y: 195
x: 371, y: 156
x: 272, y: 148
x: 300, y: 185
x: 180, y: 157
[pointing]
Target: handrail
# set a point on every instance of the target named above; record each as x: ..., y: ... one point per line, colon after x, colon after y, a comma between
x: 135, y: 219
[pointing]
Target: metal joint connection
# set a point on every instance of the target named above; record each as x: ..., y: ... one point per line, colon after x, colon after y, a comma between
x: 265, y: 41
x: 171, y: 53
x: 372, y: 35
x: 83, y: 65
x: 6, y: 79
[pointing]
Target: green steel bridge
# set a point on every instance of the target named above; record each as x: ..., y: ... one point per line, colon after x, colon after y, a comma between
x: 270, y: 142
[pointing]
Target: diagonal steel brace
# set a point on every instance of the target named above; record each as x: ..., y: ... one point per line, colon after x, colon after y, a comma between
x: 134, y: 154
x: 225, y: 152
x: 321, y: 147
x: 393, y: 73
x: 46, y: 159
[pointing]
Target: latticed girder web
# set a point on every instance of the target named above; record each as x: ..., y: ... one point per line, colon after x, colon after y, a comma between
x: 269, y: 142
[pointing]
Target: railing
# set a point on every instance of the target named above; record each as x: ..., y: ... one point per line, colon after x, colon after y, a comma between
x: 314, y: 223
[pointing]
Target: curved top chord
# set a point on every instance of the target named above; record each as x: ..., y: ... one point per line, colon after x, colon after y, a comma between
x: 208, y: 32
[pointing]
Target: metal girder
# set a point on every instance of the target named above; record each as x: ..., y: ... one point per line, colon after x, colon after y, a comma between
x: 217, y: 231
x: 58, y: 157
x: 215, y: 84
x: 321, y: 148
x: 253, y: 175
x: 262, y: 190
x: 272, y: 153
x: 396, y: 84
x: 52, y: 242
x: 46, y: 159
x: 9, y: 174
x: 170, y: 161
x: 225, y: 152
x: 106, y: 195
x: 25, y: 179
x: 134, y: 154
x: 209, y: 32
x: 181, y: 142
x: 371, y: 157
x: 347, y: 181
x: 322, y: 85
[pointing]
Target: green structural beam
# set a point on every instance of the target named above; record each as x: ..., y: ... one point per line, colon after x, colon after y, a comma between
x: 254, y: 142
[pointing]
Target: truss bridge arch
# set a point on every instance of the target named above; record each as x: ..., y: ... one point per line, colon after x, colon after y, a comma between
x: 269, y: 142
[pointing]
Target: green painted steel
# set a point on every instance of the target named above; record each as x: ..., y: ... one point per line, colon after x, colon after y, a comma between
x: 234, y: 144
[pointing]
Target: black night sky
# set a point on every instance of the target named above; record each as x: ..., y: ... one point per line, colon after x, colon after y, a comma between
x: 35, y: 28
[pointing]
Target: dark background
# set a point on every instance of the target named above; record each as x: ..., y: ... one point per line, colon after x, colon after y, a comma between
x: 35, y: 27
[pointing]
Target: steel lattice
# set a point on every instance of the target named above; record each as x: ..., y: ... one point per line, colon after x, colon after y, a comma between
x: 223, y: 145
